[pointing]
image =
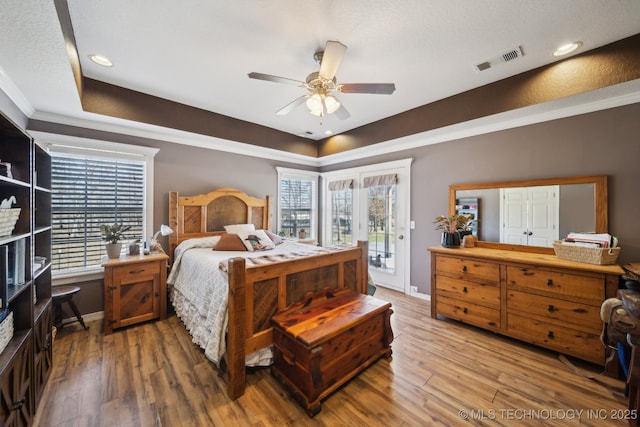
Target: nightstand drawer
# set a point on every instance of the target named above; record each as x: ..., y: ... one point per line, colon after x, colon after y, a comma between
x: 135, y: 271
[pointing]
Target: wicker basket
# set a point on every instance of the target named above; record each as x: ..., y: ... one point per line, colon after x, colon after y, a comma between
x: 602, y: 256
x: 8, y: 219
x: 6, y: 331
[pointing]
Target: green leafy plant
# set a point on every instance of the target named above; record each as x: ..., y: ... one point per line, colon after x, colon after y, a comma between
x: 113, y: 233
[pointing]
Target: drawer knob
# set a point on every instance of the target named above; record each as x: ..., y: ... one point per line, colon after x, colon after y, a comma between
x: 549, y: 282
x: 464, y: 268
x: 464, y: 310
x: 464, y: 289
x: 550, y: 334
x: 551, y: 308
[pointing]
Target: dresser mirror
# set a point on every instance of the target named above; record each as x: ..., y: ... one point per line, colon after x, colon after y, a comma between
x: 576, y: 204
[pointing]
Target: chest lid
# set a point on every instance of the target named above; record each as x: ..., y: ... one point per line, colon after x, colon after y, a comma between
x: 317, y: 322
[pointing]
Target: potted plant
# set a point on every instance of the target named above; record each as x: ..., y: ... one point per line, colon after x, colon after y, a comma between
x: 112, y: 234
x: 450, y: 226
x: 466, y: 224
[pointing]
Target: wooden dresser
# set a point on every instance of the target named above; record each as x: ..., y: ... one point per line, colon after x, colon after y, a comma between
x: 536, y: 298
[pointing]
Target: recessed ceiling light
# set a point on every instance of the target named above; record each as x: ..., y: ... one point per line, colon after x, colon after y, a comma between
x: 328, y: 132
x: 567, y: 48
x: 101, y: 60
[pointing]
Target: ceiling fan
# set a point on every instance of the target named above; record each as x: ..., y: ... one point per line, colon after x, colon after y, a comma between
x: 320, y: 84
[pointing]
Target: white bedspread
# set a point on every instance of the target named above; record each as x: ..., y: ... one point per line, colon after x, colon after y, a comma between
x: 199, y: 290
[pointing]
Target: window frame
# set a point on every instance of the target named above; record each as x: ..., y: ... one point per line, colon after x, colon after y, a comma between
x: 299, y: 174
x: 63, y: 145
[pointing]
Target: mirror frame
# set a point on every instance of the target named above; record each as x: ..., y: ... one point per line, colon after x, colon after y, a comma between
x: 600, y: 198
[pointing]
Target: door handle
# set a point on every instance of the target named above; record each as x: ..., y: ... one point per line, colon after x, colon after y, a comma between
x: 401, y: 236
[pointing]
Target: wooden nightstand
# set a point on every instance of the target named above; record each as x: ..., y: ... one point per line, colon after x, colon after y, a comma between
x: 135, y: 290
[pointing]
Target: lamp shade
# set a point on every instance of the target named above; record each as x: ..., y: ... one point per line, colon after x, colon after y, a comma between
x: 331, y: 103
x: 314, y: 104
x: 154, y: 245
x: 318, y: 103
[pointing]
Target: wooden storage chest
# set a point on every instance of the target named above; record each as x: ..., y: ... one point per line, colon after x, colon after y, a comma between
x: 319, y: 347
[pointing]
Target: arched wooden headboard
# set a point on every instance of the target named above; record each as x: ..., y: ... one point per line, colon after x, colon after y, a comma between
x: 207, y: 214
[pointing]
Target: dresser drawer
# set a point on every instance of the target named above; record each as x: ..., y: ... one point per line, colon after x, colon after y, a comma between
x: 488, y: 295
x: 485, y: 317
x: 483, y: 272
x: 565, y: 340
x: 134, y: 272
x: 589, y: 289
x: 582, y: 316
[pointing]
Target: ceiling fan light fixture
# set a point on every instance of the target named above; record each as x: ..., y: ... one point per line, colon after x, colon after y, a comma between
x: 314, y: 104
x: 319, y: 103
x: 331, y: 103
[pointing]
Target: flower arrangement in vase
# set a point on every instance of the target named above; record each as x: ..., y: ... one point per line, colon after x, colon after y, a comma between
x: 451, y: 227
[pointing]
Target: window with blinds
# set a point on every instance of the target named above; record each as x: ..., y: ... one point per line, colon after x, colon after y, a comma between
x: 297, y: 202
x: 296, y: 206
x: 85, y: 193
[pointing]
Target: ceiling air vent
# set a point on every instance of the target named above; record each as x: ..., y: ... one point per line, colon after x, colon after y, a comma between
x: 505, y: 57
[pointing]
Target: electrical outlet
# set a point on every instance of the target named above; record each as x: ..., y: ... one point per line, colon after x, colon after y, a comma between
x: 412, y: 225
x: 414, y: 289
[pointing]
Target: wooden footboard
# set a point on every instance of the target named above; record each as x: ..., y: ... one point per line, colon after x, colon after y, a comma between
x: 257, y: 293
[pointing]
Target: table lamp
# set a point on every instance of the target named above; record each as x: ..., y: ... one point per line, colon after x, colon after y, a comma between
x: 154, y: 245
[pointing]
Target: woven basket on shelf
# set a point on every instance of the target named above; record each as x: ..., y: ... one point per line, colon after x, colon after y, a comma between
x: 602, y: 256
x: 6, y: 331
x: 8, y: 220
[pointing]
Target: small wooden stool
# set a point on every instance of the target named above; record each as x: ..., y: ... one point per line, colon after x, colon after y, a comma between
x: 59, y: 295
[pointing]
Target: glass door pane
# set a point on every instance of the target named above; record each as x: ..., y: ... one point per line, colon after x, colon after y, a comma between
x: 381, y: 227
x: 341, y: 216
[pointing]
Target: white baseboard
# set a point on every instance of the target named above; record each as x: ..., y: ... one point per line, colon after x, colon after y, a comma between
x: 420, y: 295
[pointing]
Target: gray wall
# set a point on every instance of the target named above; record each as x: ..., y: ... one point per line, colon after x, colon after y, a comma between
x: 605, y: 142
x: 600, y: 143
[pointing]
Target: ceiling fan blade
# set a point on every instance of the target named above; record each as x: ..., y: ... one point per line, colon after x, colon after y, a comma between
x: 275, y: 79
x: 331, y: 58
x: 375, y: 88
x: 292, y: 105
x: 342, y: 113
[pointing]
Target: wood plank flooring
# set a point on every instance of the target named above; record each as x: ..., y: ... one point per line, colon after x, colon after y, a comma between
x: 441, y: 373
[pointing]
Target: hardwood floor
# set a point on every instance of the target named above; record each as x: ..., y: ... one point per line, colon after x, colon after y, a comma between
x: 440, y: 372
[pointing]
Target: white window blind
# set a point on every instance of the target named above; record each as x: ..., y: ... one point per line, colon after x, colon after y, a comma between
x: 88, y: 192
x: 297, y: 202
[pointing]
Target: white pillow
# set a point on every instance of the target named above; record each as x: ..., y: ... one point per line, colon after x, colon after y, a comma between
x: 237, y: 228
x: 256, y: 240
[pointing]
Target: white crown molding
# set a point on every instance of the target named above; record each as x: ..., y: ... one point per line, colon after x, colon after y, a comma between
x: 143, y: 130
x: 15, y: 95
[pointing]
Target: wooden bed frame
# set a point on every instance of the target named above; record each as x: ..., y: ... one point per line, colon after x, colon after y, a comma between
x: 257, y: 293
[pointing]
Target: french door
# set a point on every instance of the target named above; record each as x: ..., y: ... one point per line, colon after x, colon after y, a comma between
x: 372, y: 204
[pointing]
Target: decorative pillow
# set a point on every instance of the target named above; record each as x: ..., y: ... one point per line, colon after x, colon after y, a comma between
x: 256, y: 240
x: 229, y: 242
x: 277, y: 240
x: 237, y: 228
x: 203, y: 242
